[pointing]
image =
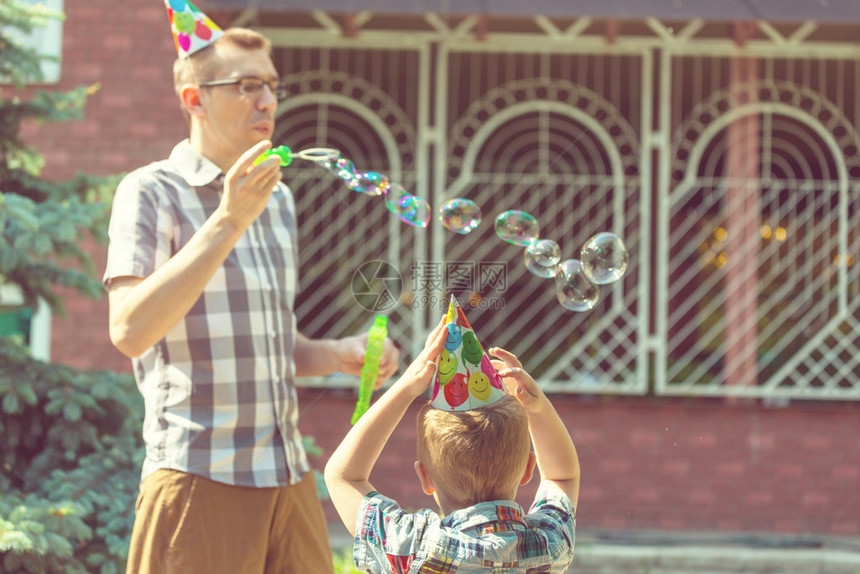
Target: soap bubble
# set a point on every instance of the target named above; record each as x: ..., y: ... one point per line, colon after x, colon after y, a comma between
x: 340, y: 166
x: 517, y: 227
x: 460, y: 215
x: 542, y: 257
x: 604, y: 258
x: 397, y: 199
x: 572, y: 287
x: 545, y: 271
x: 418, y: 212
x: 369, y: 182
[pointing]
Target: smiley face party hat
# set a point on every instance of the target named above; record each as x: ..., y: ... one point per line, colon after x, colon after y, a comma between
x: 465, y: 377
x: 192, y: 29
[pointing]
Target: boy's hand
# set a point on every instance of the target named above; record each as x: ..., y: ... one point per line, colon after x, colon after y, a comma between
x: 556, y: 455
x: 419, y: 374
x: 518, y: 382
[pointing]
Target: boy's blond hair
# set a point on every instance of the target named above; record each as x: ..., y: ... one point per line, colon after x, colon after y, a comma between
x: 201, y: 66
x: 477, y: 455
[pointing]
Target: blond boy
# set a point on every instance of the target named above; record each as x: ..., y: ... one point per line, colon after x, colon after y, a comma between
x: 472, y: 463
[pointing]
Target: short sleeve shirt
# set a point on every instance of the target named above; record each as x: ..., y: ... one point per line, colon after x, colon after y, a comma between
x: 495, y: 537
x: 218, y: 388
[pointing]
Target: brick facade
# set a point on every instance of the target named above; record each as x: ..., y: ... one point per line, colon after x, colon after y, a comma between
x: 668, y: 464
x: 130, y: 121
x: 648, y: 463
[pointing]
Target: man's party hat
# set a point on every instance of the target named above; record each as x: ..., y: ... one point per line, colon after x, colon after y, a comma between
x: 465, y: 377
x: 192, y: 29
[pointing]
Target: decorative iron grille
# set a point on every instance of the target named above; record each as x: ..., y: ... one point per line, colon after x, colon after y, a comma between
x: 731, y: 173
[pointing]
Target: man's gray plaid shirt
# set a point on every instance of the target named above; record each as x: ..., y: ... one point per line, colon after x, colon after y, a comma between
x: 219, y: 392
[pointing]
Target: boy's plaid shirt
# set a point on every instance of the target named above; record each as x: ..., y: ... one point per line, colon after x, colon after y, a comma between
x: 493, y: 537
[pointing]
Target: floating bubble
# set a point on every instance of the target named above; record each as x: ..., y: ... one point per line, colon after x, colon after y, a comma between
x: 411, y: 209
x: 545, y: 271
x: 542, y: 257
x: 545, y: 252
x: 418, y: 213
x: 517, y: 227
x: 341, y: 167
x: 406, y: 206
x: 460, y: 215
x: 604, y: 258
x: 572, y: 287
x: 369, y: 182
x: 397, y: 199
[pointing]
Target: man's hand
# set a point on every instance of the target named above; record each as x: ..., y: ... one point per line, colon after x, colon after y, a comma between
x: 248, y: 187
x: 351, y: 354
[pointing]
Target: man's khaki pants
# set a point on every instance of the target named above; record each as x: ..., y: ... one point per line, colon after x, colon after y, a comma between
x: 185, y: 524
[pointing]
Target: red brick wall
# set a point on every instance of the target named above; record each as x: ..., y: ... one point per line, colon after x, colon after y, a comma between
x: 80, y: 339
x: 647, y: 463
x: 133, y: 119
x: 668, y: 464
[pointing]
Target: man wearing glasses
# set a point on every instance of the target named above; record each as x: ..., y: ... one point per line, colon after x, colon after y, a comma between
x: 202, y: 276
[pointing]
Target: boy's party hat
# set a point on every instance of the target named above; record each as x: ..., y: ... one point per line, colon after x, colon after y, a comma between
x: 192, y: 29
x: 465, y: 377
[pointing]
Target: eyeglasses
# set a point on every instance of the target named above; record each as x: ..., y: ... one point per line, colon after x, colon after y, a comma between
x: 250, y: 86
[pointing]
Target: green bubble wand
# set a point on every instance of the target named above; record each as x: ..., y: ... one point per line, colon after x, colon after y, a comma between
x: 370, y: 370
x: 316, y: 155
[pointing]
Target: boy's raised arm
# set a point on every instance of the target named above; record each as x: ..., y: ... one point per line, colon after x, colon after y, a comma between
x: 347, y: 472
x: 554, y: 449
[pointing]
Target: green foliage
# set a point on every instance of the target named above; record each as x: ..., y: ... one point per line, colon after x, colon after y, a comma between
x: 36, y: 236
x: 70, y: 446
x: 70, y: 451
x: 41, y: 222
x: 69, y: 465
x: 343, y: 562
x: 19, y: 63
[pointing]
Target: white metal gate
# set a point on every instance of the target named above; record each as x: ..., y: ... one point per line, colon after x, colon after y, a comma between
x: 751, y: 286
x: 340, y: 98
x: 551, y: 133
x: 758, y: 284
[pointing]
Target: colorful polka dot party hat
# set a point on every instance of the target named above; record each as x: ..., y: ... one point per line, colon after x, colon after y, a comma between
x: 192, y: 29
x: 465, y: 377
